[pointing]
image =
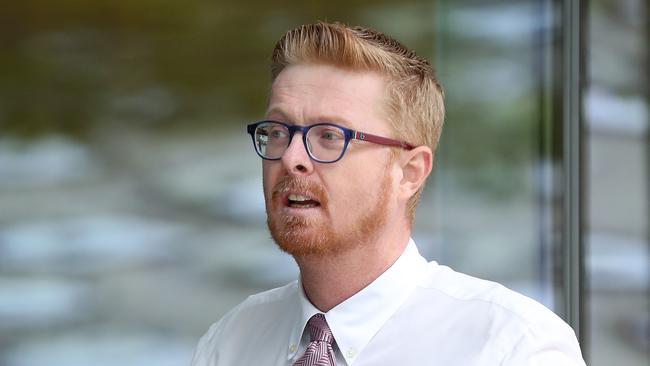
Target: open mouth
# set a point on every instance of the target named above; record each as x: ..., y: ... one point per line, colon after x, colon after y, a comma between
x: 301, y: 201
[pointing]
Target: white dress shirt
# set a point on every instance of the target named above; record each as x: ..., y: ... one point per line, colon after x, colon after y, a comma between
x: 415, y: 313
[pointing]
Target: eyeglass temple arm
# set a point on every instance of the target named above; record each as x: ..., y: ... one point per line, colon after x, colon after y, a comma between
x: 381, y: 140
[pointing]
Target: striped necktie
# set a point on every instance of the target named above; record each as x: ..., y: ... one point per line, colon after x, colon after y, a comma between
x: 319, y: 350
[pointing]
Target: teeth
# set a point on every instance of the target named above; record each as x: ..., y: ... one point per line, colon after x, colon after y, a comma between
x: 298, y: 197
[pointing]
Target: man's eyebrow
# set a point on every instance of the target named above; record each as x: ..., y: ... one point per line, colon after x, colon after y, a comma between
x: 333, y: 119
x: 277, y: 111
x: 284, y: 117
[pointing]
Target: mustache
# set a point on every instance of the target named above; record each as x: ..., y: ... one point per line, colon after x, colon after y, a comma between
x: 301, y: 185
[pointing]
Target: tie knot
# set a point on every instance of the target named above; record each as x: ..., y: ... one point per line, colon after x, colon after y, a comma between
x: 318, y: 329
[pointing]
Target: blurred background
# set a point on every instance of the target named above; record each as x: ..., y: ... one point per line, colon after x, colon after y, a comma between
x: 131, y: 212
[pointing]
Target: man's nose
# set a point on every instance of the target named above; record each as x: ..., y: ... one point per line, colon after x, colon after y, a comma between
x: 295, y: 158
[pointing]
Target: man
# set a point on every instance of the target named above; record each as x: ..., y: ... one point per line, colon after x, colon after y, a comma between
x: 347, y: 143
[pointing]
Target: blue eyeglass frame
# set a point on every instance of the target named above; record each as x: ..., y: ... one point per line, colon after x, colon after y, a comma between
x: 349, y: 135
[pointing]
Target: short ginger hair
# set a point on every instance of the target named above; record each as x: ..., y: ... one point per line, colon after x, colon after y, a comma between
x: 415, y: 107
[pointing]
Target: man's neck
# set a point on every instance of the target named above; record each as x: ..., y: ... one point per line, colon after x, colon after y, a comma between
x: 330, y: 280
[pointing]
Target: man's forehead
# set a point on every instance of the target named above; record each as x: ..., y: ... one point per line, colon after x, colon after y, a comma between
x: 321, y: 74
x: 329, y: 91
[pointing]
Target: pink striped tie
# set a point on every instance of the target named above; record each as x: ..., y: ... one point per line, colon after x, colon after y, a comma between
x: 319, y: 350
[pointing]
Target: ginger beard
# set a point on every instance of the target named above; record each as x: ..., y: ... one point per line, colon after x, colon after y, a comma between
x: 299, y: 236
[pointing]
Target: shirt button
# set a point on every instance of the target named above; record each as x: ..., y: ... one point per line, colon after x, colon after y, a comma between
x: 351, y: 352
x: 292, y: 348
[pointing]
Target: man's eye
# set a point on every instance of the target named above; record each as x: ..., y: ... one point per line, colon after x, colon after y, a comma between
x: 331, y: 135
x: 277, y: 134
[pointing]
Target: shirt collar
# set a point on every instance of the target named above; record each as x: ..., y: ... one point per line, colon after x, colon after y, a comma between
x: 356, y: 320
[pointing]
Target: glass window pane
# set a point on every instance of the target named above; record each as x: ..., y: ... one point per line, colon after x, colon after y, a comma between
x: 618, y: 220
x: 491, y: 208
x: 131, y: 214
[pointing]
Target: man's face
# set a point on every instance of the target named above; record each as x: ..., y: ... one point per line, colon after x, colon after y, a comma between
x: 323, y: 209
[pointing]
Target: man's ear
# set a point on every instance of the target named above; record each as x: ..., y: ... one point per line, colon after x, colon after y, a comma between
x: 416, y: 166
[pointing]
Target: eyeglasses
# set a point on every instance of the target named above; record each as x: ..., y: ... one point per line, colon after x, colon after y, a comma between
x: 324, y: 142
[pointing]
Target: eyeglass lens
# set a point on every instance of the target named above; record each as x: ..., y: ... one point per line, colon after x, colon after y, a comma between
x: 324, y: 142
